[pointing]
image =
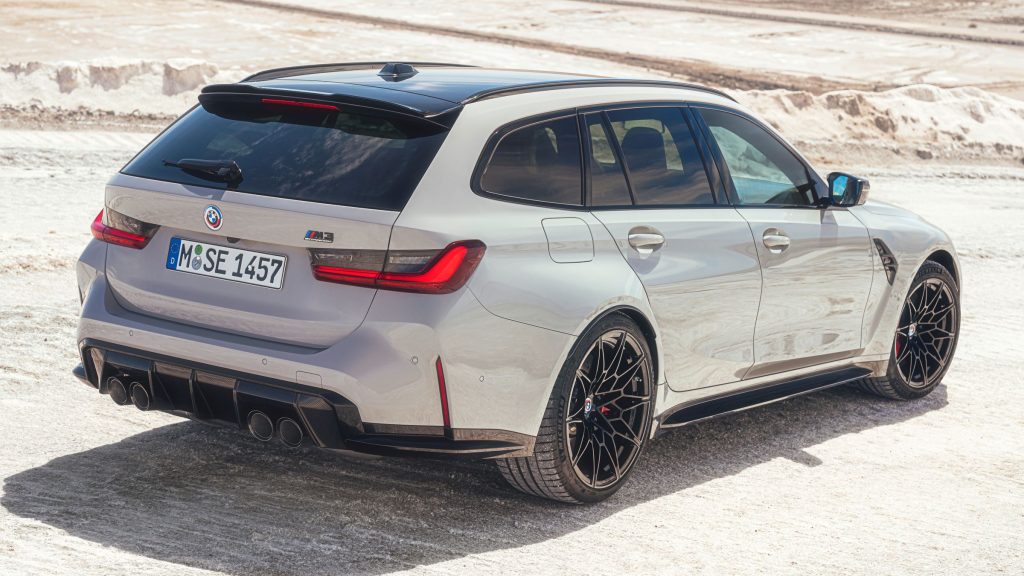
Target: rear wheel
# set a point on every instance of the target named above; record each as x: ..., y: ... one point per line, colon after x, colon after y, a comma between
x: 925, y: 337
x: 597, y: 420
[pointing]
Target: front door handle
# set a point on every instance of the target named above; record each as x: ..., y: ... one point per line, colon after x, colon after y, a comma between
x: 775, y: 240
x: 645, y: 239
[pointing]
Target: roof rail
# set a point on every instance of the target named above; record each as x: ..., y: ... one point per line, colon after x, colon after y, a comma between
x: 586, y: 82
x: 275, y: 73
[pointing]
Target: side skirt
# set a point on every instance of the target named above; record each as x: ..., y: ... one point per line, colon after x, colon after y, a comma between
x: 706, y: 408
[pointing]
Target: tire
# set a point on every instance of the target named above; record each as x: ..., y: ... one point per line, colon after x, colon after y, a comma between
x: 907, y: 379
x: 579, y: 411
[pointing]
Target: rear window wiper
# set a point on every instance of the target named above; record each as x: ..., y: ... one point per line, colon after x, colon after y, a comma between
x: 215, y: 170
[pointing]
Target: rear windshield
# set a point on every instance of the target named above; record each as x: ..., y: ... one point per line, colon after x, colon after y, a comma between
x: 345, y: 157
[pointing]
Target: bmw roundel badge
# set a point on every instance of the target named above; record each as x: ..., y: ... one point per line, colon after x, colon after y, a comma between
x: 213, y: 218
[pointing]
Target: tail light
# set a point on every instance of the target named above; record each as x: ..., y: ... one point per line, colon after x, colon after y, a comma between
x: 116, y: 228
x: 425, y: 271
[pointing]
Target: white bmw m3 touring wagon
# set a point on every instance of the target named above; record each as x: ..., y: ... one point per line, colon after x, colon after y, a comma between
x: 547, y: 270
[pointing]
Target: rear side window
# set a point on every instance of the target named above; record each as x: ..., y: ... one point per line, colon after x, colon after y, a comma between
x: 661, y: 157
x: 539, y: 163
x: 344, y: 157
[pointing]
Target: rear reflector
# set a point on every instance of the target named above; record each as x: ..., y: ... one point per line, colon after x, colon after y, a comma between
x: 298, y: 104
x: 444, y: 393
x: 425, y: 271
x: 116, y: 228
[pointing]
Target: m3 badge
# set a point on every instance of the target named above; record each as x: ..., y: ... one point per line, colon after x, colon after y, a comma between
x: 318, y: 236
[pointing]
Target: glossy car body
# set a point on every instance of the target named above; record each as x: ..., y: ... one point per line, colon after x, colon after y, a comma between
x: 725, y: 312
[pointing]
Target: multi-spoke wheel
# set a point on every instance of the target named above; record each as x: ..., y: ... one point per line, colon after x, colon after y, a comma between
x: 597, y: 420
x: 925, y: 338
x: 607, y: 412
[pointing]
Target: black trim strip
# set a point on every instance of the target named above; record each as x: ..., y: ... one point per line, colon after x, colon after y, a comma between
x: 613, y: 141
x: 688, y: 413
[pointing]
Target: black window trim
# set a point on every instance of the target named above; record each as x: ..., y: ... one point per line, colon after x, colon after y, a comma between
x: 720, y: 200
x: 620, y: 156
x: 723, y: 168
x: 588, y: 191
x: 490, y: 147
x: 715, y: 168
x: 710, y: 164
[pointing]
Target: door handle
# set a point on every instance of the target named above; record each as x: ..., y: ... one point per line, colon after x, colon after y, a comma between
x: 645, y: 239
x: 775, y: 240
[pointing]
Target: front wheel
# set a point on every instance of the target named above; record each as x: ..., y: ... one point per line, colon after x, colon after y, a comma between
x: 597, y: 420
x: 925, y: 338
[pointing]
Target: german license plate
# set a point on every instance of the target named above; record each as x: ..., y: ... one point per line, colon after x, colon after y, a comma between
x: 225, y: 262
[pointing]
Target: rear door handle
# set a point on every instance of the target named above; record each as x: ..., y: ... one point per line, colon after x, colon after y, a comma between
x: 645, y: 239
x: 775, y: 240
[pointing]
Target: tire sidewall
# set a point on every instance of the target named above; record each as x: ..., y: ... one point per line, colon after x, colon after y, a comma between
x: 899, y: 384
x: 563, y: 386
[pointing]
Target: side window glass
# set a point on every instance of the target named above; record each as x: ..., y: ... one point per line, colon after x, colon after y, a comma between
x: 539, y: 162
x: 607, y: 181
x: 763, y: 171
x: 661, y: 156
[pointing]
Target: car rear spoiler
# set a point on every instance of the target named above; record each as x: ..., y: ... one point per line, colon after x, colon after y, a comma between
x: 427, y: 108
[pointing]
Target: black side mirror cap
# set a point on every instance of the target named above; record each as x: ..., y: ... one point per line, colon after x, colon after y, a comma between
x: 847, y: 190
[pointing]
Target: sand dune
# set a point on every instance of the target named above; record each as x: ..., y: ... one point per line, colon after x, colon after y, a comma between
x: 915, y: 122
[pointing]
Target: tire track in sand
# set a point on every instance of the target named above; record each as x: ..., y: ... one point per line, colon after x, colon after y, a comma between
x: 682, y: 68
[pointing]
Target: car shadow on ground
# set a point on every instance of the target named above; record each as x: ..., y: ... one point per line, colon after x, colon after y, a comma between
x: 216, y: 499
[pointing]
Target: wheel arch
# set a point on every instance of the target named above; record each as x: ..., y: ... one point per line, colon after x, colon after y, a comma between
x: 947, y: 261
x: 650, y: 334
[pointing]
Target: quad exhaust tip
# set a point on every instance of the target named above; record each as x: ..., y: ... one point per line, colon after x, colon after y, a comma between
x: 290, y: 431
x: 140, y: 396
x: 261, y: 426
x: 118, y: 393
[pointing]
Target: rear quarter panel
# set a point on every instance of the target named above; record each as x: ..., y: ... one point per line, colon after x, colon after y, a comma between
x: 519, y: 279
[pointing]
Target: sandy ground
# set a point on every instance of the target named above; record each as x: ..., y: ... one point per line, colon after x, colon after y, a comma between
x: 834, y: 483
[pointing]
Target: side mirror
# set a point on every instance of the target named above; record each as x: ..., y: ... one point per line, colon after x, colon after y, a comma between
x: 847, y: 190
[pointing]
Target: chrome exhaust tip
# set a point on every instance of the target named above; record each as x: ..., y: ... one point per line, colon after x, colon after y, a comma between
x: 290, y: 432
x: 140, y: 396
x: 118, y: 393
x: 261, y: 426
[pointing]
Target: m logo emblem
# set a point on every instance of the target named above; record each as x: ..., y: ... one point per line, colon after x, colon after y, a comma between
x: 318, y: 236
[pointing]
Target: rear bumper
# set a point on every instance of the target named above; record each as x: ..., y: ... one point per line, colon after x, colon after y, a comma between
x: 327, y: 419
x: 498, y: 372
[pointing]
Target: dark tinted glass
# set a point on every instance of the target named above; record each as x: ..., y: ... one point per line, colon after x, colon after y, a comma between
x: 763, y: 171
x: 540, y: 162
x: 332, y: 157
x: 607, y: 181
x: 664, y: 165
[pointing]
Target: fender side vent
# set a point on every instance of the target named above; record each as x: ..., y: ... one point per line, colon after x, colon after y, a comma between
x: 888, y: 260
